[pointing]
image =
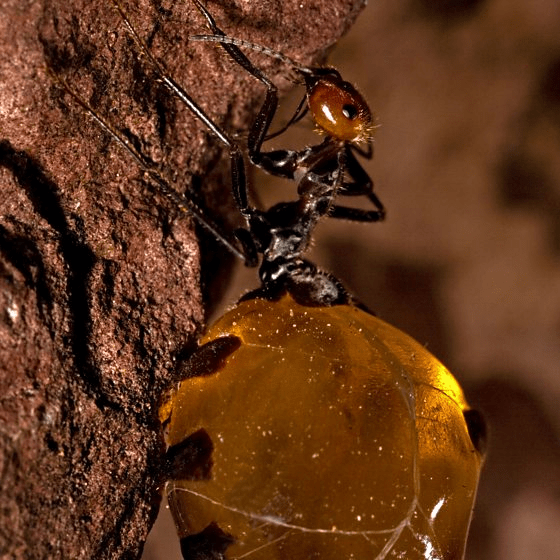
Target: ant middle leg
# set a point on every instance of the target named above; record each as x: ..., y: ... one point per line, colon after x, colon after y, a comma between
x: 360, y: 184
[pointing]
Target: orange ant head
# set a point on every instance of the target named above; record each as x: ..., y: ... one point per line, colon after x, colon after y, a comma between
x: 339, y: 110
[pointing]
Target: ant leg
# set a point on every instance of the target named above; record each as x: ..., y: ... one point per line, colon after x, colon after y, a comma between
x: 183, y: 203
x: 299, y: 113
x: 357, y: 214
x: 361, y: 185
x: 238, y: 176
x: 357, y: 182
x: 259, y: 130
x: 366, y: 152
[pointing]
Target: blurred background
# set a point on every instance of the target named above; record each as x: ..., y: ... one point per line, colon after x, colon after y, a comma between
x: 467, y: 162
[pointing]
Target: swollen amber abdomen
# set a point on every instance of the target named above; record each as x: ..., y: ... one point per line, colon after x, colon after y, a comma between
x: 334, y: 436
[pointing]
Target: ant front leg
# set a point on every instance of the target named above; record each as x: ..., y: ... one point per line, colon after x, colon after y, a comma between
x: 359, y: 215
x: 259, y: 130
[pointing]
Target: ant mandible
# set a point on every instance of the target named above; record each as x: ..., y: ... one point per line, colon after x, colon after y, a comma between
x: 322, y: 172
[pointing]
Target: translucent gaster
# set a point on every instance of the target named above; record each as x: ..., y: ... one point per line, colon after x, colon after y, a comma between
x: 335, y: 436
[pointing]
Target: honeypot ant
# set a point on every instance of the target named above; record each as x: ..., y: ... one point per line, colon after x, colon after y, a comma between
x: 297, y: 371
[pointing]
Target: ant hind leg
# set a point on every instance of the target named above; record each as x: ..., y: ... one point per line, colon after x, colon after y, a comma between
x: 238, y: 174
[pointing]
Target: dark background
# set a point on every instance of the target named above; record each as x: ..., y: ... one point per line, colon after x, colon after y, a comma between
x: 467, y: 162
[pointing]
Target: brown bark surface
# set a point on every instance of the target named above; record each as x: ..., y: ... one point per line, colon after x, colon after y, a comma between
x: 100, y: 287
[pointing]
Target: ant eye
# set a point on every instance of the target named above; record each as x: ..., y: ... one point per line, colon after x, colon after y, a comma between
x: 350, y: 112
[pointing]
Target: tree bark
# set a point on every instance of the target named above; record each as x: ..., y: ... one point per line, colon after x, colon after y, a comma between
x: 100, y: 280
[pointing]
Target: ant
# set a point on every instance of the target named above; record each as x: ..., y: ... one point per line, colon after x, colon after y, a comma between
x: 281, y: 234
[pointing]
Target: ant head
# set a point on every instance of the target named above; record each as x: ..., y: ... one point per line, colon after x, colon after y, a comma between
x: 338, y: 109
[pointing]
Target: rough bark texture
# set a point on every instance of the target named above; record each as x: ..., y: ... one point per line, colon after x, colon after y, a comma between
x: 99, y: 281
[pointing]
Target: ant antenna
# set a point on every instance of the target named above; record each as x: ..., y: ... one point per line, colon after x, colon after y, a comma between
x: 226, y: 40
